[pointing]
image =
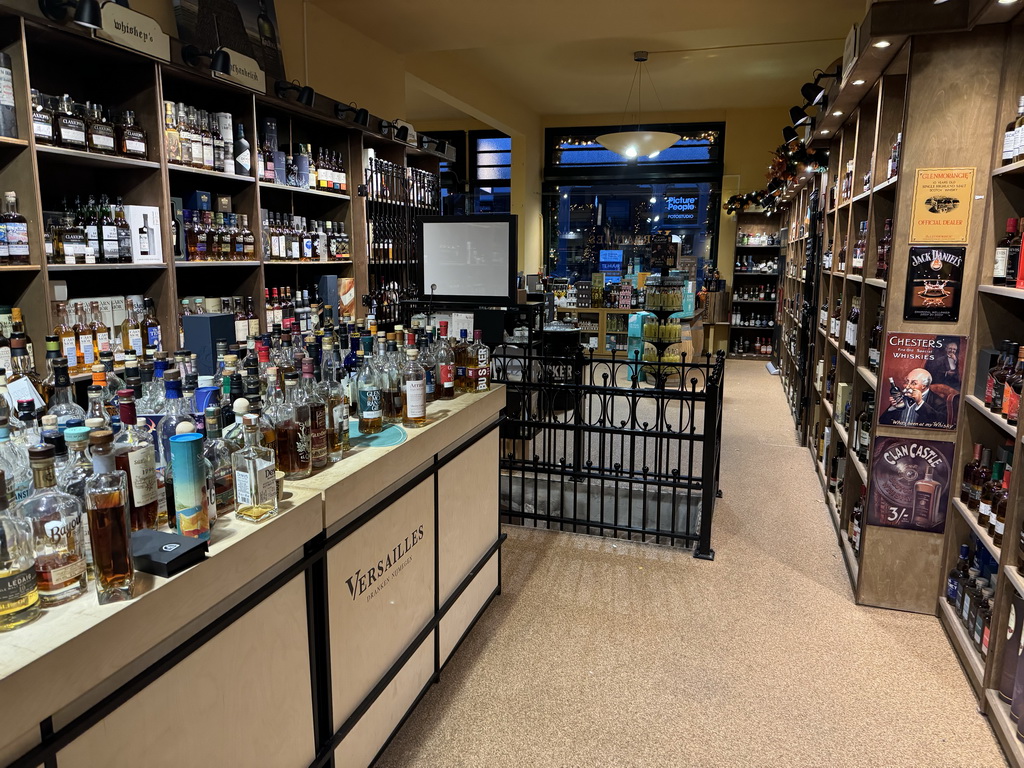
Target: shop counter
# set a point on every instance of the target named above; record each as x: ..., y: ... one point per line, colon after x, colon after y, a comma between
x: 306, y: 637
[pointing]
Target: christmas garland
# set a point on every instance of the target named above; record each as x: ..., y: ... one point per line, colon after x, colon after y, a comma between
x: 787, y: 165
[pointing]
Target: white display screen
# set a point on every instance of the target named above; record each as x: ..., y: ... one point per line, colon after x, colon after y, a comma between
x: 467, y: 258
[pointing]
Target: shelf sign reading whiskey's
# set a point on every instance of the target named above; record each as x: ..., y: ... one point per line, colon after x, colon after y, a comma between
x: 935, y: 276
x: 920, y: 380
x: 910, y: 483
x: 943, y: 199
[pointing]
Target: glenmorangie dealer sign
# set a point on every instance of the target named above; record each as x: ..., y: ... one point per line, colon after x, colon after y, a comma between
x: 943, y: 198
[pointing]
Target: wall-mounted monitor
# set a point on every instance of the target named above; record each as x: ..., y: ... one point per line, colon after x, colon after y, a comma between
x: 470, y: 259
x: 610, y: 260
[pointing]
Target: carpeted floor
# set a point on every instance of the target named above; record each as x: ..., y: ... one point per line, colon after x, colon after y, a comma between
x: 606, y: 653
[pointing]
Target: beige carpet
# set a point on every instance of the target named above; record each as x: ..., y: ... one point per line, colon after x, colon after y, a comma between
x: 606, y: 653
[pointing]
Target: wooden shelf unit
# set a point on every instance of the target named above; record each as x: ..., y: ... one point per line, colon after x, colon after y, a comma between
x: 42, y: 176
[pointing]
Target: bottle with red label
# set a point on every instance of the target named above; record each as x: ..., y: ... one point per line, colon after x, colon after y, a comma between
x: 445, y: 366
x: 1012, y: 390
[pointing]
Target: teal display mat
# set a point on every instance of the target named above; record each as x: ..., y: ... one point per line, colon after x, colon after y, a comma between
x: 392, y: 434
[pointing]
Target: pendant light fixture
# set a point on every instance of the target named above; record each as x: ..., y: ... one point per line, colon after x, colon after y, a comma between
x: 637, y: 143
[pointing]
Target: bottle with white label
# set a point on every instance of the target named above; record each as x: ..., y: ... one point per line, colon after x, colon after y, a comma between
x: 42, y: 119
x: 131, y: 139
x: 16, y: 229
x: 254, y: 468
x: 414, y: 391
x: 100, y: 134
x: 70, y: 128
x: 8, y: 115
x: 56, y: 520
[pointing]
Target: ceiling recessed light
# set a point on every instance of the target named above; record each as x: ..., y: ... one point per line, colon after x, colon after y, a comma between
x: 858, y: 82
x: 824, y: 131
x: 837, y: 113
x: 882, y: 44
x: 1007, y: 2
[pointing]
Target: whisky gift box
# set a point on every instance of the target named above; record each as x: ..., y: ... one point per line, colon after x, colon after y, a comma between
x: 201, y: 334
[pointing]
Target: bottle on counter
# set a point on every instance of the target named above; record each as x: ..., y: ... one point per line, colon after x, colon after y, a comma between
x: 107, y: 505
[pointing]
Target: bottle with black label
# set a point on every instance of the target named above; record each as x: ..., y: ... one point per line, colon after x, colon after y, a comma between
x: 42, y: 119
x: 100, y: 133
x: 70, y: 127
x: 131, y: 139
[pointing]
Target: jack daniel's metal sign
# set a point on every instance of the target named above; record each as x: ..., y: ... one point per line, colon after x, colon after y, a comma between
x: 935, y: 278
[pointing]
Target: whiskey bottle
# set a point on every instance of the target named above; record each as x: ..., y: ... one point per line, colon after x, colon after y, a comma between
x: 254, y: 475
x: 968, y: 474
x: 124, y: 235
x: 62, y: 405
x: 1012, y: 391
x: 999, y: 510
x: 100, y: 135
x: 19, y: 593
x: 42, y: 119
x: 859, y: 248
x: 478, y: 364
x: 16, y: 227
x: 318, y: 438
x: 1004, y: 348
x: 988, y: 497
x: 131, y: 139
x: 292, y: 424
x: 70, y: 127
x: 175, y: 419
x: 106, y: 503
x: 1000, y: 376
x: 56, y: 520
x: 957, y: 575
x: 135, y: 455
x: 370, y: 398
x: 979, y: 477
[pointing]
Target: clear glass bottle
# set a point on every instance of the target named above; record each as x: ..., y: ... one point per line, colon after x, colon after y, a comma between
x: 371, y: 399
x: 414, y: 392
x: 218, y: 450
x: 62, y: 405
x: 16, y: 227
x: 478, y: 361
x: 131, y: 138
x: 19, y: 593
x: 106, y: 504
x: 56, y: 520
x: 97, y: 407
x: 14, y: 463
x: 175, y: 416
x: 335, y: 394
x: 135, y: 453
x: 254, y: 475
x: 292, y: 425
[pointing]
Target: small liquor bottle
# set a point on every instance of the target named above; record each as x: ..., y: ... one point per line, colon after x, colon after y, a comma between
x: 56, y: 520
x: 100, y: 134
x: 414, y: 392
x: 254, y: 475
x: 371, y: 400
x: 291, y: 420
x: 218, y: 452
x: 70, y: 127
x: 979, y: 477
x: 106, y: 502
x: 19, y: 594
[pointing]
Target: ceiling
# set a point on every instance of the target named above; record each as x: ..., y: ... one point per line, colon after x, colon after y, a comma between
x: 566, y: 58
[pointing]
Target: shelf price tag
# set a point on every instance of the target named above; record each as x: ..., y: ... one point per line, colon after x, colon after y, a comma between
x: 136, y: 31
x: 245, y: 71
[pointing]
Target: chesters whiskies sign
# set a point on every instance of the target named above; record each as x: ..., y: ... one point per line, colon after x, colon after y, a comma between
x: 369, y: 582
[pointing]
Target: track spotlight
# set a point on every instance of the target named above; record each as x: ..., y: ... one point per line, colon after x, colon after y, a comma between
x: 812, y: 93
x: 790, y: 135
x: 220, y: 60
x: 353, y: 113
x: 798, y: 116
x: 87, y: 12
x: 306, y: 95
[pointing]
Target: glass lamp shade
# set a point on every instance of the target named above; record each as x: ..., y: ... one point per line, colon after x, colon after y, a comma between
x: 633, y: 144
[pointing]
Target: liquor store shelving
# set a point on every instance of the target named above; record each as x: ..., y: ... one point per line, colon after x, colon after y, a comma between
x: 45, y: 176
x: 894, y: 567
x: 747, y: 276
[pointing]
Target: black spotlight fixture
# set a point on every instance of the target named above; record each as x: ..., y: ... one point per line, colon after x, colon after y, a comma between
x: 359, y: 116
x: 87, y: 12
x: 790, y: 135
x: 798, y: 116
x: 441, y: 148
x: 402, y: 134
x: 306, y: 95
x: 812, y: 93
x: 220, y: 60
x: 386, y: 127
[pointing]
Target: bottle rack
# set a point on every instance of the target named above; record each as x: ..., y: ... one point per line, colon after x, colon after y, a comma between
x: 750, y: 254
x: 42, y: 176
x: 900, y: 568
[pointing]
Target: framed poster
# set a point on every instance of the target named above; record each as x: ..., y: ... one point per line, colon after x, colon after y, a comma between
x: 910, y: 483
x: 943, y: 198
x: 247, y: 27
x: 920, y: 380
x: 935, y: 276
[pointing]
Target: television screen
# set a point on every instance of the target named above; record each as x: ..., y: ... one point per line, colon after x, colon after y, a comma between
x: 470, y: 259
x: 611, y: 260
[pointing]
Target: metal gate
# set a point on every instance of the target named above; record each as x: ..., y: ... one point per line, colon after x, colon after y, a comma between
x: 620, y: 447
